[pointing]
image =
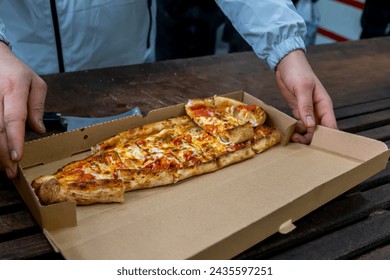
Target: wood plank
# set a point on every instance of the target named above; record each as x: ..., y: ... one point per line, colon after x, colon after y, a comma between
x: 382, y: 253
x: 14, y: 222
x: 5, y: 183
x: 152, y: 86
x: 9, y: 198
x: 346, y: 243
x: 353, y: 110
x: 338, y: 67
x: 381, y: 178
x: 381, y: 133
x: 32, y: 246
x: 366, y: 122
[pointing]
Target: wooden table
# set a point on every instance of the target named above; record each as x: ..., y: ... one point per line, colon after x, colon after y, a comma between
x: 356, y: 74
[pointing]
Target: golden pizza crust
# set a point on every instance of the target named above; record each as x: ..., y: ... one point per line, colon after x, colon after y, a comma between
x: 235, y: 157
x: 52, y: 190
x: 237, y: 134
x: 144, y: 179
x: 203, y: 168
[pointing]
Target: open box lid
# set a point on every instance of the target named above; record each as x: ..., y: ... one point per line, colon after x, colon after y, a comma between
x: 212, y: 216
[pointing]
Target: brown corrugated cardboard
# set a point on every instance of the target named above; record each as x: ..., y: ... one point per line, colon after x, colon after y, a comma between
x: 212, y: 216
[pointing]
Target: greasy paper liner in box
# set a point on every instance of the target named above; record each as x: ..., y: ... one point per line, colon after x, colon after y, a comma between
x: 262, y: 196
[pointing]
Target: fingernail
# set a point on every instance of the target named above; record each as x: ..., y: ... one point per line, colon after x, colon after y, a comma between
x: 42, y: 126
x: 310, y: 121
x: 14, y: 155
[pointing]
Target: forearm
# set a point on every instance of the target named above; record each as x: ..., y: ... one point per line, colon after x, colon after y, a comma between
x: 272, y: 28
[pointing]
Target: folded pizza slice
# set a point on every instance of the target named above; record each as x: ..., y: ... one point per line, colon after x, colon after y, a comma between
x: 253, y: 114
x: 265, y: 137
x: 219, y: 123
x: 224, y: 153
x: 224, y: 117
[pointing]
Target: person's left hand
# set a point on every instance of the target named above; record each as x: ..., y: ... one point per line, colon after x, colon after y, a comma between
x: 305, y: 95
x: 22, y: 98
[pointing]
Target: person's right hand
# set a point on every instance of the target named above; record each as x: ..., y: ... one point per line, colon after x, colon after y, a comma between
x: 306, y: 96
x: 22, y: 98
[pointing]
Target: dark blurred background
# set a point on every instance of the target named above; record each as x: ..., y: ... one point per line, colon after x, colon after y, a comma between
x: 189, y: 28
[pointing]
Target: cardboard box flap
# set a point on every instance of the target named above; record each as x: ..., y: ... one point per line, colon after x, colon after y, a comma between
x: 46, y: 216
x: 165, y: 113
x: 347, y: 144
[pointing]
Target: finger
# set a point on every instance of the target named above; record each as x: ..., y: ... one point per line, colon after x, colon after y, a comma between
x: 36, y: 104
x: 309, y: 134
x: 5, y: 158
x: 298, y: 138
x: 324, y: 106
x: 329, y: 120
x: 326, y: 113
x: 303, y: 138
x: 15, y: 114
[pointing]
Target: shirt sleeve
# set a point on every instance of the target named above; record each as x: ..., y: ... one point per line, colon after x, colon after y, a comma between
x: 3, y: 35
x: 272, y: 28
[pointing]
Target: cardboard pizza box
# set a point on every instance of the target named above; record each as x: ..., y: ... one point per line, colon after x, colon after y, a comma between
x: 212, y: 216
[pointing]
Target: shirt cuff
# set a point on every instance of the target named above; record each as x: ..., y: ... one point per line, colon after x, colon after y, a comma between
x: 283, y: 49
x: 4, y: 39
